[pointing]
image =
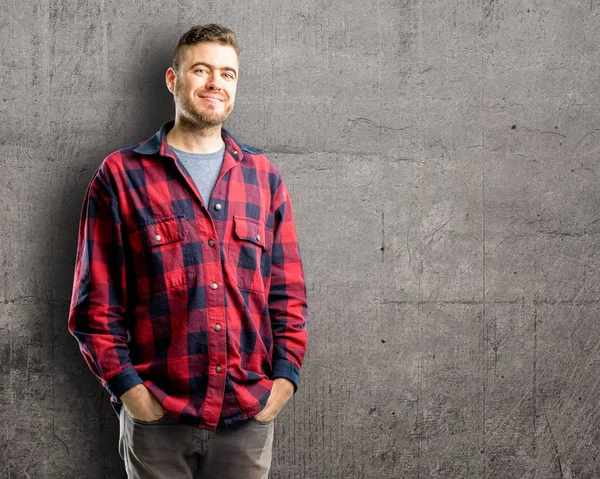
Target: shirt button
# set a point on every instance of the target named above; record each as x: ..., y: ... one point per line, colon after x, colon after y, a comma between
x: 218, y: 369
x: 217, y: 327
x: 211, y: 242
x: 158, y: 237
x: 257, y: 237
x: 218, y: 206
x: 235, y: 153
x: 214, y: 286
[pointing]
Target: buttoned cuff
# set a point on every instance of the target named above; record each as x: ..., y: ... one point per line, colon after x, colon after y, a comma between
x: 284, y: 369
x: 123, y: 382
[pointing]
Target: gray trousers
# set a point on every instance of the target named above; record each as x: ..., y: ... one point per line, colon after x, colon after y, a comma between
x: 164, y: 449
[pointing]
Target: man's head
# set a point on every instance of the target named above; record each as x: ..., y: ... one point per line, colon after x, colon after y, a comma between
x: 203, y: 76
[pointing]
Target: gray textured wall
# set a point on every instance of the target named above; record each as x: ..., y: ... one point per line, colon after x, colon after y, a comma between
x: 443, y: 161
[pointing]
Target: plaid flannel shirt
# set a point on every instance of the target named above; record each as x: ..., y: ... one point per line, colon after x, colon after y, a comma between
x: 204, y: 303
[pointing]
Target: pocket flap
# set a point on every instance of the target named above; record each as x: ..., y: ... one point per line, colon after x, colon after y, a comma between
x: 164, y: 231
x: 249, y: 229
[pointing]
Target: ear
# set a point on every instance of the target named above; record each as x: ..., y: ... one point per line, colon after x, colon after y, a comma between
x: 170, y: 79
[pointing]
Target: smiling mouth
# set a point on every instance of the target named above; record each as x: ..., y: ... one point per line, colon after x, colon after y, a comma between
x: 212, y: 98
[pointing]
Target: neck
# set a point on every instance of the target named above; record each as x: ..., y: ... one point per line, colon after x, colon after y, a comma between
x: 195, y: 138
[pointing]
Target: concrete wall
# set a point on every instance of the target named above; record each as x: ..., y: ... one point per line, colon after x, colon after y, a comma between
x: 443, y: 162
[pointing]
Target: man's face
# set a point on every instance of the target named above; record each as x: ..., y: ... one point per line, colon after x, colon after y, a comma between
x: 204, y: 88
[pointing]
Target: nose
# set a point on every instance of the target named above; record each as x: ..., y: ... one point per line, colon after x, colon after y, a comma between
x: 213, y: 82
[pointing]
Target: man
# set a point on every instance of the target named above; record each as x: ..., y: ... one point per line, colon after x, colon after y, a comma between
x: 189, y: 300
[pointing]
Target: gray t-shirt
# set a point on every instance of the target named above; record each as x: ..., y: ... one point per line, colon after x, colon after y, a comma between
x: 204, y: 168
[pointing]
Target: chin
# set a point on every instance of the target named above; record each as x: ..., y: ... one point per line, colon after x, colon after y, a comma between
x: 209, y: 120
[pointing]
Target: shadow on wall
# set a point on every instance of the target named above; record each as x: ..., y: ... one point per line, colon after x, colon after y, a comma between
x: 86, y: 421
x: 148, y: 101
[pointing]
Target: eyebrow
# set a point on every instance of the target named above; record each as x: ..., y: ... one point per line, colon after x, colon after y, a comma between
x: 231, y: 69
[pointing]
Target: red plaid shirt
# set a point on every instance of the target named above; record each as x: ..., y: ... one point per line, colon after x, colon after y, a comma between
x: 205, y: 304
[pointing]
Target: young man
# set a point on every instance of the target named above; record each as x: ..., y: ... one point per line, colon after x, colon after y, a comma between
x: 189, y: 300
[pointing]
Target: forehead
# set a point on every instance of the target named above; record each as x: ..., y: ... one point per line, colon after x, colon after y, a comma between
x: 211, y: 53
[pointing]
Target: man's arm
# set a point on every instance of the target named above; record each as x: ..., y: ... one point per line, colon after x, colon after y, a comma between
x: 97, y: 316
x: 287, y: 295
x: 287, y: 309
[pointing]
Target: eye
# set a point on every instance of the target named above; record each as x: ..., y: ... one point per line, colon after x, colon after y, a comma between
x: 200, y: 70
x: 231, y: 76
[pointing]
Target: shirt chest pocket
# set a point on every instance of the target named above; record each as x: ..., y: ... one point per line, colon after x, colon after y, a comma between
x: 249, y: 253
x: 160, y: 255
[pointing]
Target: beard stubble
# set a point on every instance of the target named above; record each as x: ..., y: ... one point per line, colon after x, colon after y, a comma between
x: 192, y: 118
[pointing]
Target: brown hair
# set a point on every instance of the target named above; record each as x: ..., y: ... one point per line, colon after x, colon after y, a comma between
x: 204, y: 33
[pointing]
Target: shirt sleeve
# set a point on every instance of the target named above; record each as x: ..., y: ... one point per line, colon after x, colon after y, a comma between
x: 287, y: 295
x: 97, y: 314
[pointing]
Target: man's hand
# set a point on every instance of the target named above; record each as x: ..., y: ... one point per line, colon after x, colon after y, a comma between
x: 281, y: 392
x: 141, y: 404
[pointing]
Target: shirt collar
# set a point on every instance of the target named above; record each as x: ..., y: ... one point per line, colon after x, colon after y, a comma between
x: 157, y: 143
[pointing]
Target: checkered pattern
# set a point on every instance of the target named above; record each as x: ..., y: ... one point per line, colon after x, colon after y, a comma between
x: 205, y: 304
